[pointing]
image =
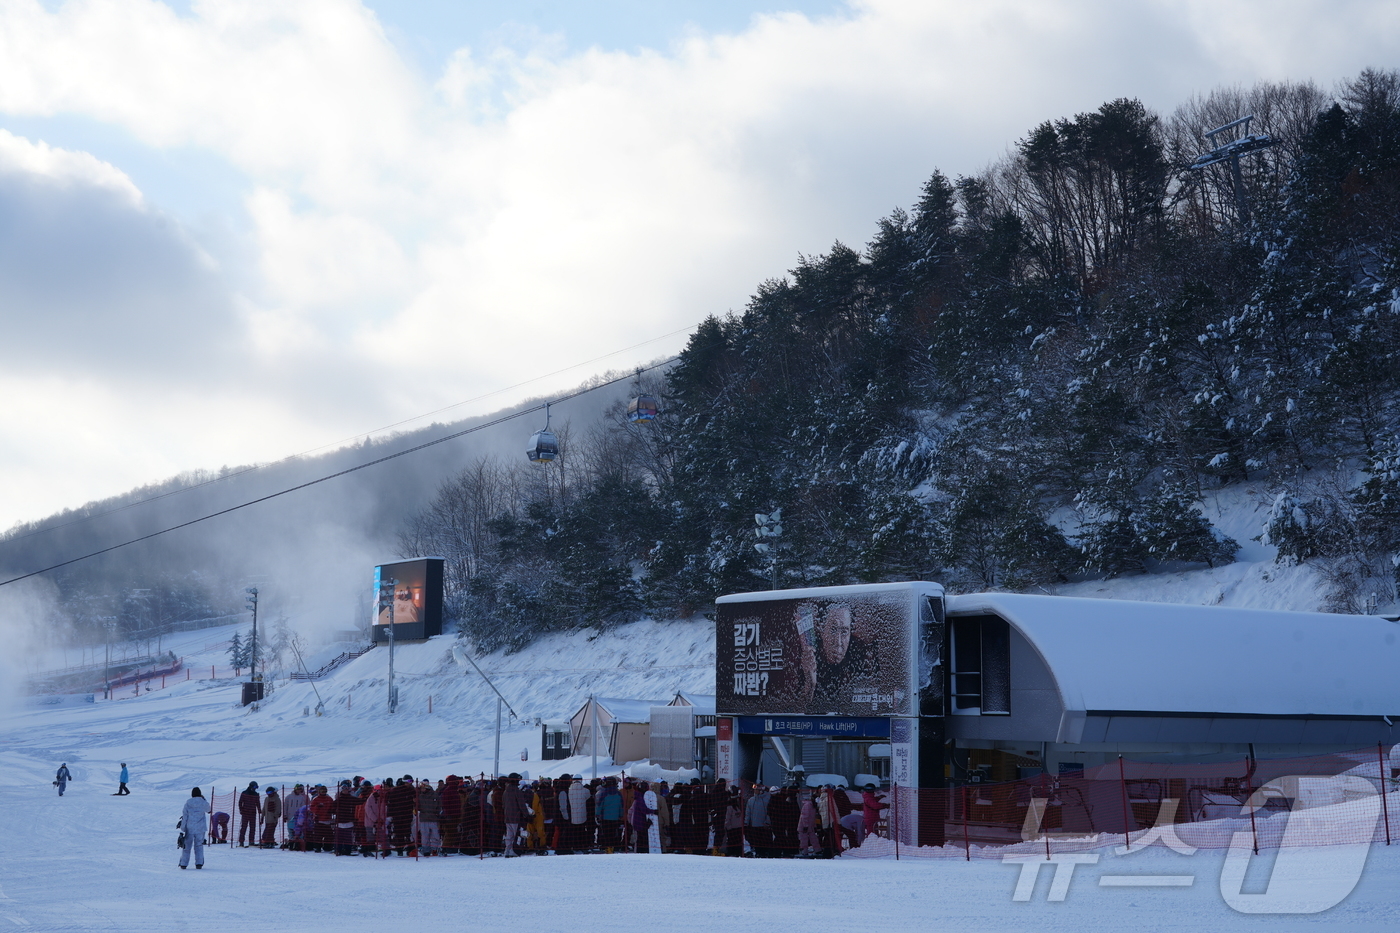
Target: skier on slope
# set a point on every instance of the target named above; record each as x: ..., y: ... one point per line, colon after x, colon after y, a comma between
x: 62, y: 778
x: 121, y: 780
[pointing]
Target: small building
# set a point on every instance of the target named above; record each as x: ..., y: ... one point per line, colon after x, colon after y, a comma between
x: 555, y: 741
x: 683, y: 733
x: 623, y: 727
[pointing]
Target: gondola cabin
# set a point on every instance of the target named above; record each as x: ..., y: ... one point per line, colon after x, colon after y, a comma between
x: 643, y: 408
x: 544, y: 447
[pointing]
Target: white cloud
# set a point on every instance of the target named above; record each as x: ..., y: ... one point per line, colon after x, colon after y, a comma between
x: 62, y: 167
x: 418, y: 239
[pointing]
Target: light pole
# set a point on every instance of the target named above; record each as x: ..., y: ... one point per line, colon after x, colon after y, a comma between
x: 252, y: 603
x: 769, y: 526
x: 460, y: 655
x: 386, y: 598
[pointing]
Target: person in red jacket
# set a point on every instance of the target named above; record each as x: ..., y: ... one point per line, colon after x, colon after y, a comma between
x: 871, y: 805
x: 322, y: 809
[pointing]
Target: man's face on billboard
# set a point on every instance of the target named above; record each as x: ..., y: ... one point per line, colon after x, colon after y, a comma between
x: 834, y: 631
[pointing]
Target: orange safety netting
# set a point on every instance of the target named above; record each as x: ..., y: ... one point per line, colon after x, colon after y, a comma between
x: 1335, y: 799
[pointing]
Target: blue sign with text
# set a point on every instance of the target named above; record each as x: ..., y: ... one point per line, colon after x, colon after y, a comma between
x: 816, y: 726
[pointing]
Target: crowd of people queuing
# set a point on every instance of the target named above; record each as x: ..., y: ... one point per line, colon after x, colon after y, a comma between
x: 511, y: 816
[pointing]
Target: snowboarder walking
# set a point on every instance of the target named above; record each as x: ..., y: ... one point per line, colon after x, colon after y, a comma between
x: 249, y: 809
x: 125, y: 776
x: 62, y: 777
x: 194, y: 820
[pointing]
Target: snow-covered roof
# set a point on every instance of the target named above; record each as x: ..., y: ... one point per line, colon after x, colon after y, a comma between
x: 834, y: 592
x: 628, y: 710
x: 704, y: 705
x: 1111, y: 654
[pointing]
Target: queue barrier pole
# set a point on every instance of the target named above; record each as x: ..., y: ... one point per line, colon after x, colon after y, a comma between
x: 1385, y: 806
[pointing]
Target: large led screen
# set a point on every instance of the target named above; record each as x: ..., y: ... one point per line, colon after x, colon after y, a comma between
x: 850, y: 655
x: 416, y: 599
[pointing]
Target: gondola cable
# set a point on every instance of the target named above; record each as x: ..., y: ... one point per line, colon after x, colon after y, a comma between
x: 300, y: 486
x: 334, y: 444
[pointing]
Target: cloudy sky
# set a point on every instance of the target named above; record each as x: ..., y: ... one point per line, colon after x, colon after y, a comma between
x: 231, y: 230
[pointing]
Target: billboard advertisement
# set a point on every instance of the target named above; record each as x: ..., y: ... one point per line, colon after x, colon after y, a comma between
x: 845, y: 654
x: 415, y: 605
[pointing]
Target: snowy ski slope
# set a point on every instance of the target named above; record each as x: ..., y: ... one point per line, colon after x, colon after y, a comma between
x: 94, y: 862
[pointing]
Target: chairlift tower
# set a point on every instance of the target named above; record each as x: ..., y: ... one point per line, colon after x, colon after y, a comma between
x: 1230, y: 151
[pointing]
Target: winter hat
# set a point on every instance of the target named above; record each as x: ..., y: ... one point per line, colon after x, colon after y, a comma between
x: 272, y: 790
x: 196, y: 793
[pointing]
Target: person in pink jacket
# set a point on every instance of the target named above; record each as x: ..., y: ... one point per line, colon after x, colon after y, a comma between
x: 807, y: 826
x: 871, y: 805
x: 375, y: 811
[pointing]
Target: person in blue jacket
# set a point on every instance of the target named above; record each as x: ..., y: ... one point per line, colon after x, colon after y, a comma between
x: 63, y: 777
x: 122, y: 780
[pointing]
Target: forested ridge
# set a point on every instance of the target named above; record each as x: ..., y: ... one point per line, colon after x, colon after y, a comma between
x: 1034, y: 373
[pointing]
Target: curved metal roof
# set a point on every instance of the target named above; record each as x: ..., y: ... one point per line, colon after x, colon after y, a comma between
x: 1108, y: 654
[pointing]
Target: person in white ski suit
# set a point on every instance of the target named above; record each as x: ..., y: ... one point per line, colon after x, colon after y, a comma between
x: 194, y: 820
x: 653, y: 822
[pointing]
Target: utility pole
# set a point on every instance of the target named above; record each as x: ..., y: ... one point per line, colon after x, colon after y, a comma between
x: 386, y: 597
x: 496, y: 768
x: 460, y: 654
x: 593, y: 742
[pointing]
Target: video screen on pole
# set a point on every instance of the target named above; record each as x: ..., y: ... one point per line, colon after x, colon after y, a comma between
x: 847, y: 656
x: 415, y: 608
x: 409, y: 593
